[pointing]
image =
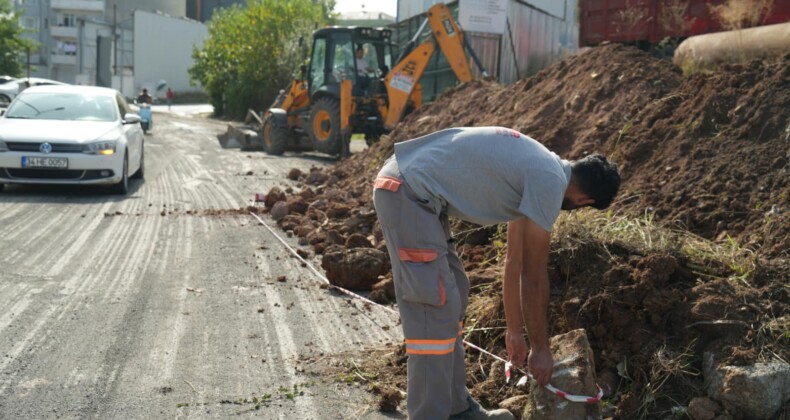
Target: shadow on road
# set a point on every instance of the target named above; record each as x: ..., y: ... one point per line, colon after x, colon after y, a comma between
x: 32, y: 193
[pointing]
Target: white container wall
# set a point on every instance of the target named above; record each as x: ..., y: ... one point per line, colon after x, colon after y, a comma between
x: 163, y: 51
x: 540, y: 32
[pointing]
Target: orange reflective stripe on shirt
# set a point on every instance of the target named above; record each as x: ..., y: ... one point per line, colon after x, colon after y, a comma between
x: 430, y: 347
x: 416, y: 254
x: 387, y: 183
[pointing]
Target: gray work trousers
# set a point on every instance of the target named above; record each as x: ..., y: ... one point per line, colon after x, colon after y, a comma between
x: 432, y: 291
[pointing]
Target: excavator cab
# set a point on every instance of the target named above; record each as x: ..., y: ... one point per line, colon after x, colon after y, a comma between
x: 339, y: 53
x: 343, y: 59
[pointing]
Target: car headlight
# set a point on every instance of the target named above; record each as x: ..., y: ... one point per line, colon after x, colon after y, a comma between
x: 3, y: 146
x: 100, y: 148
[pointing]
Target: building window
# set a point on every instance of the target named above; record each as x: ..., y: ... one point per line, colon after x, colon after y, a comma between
x: 30, y: 23
x: 67, y: 19
x: 66, y: 48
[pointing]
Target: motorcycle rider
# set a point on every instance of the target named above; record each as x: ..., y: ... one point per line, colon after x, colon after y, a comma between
x: 145, y: 98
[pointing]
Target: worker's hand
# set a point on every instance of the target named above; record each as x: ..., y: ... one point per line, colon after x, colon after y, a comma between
x: 516, y: 348
x: 541, y: 365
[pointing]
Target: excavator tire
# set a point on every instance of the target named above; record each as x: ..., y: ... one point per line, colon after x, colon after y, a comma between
x: 275, y: 137
x: 324, y: 126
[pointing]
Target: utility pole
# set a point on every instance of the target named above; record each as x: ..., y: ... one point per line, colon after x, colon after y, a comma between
x: 47, y: 50
x: 114, y: 40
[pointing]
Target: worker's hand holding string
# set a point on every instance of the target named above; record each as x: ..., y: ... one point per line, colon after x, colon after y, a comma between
x: 541, y: 365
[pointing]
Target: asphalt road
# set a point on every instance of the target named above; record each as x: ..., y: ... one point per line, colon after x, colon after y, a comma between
x: 132, y: 308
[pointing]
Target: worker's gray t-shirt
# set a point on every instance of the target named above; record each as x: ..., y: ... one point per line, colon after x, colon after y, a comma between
x: 486, y: 175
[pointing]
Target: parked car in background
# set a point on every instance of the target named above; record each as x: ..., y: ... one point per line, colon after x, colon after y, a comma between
x: 10, y: 88
x: 8, y: 91
x: 70, y: 135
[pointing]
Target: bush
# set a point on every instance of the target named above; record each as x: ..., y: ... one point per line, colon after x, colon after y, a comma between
x: 252, y: 52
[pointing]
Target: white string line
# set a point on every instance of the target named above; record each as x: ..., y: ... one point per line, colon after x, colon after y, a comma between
x: 558, y: 392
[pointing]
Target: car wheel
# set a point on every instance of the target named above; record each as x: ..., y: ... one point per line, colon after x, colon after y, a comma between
x: 141, y: 172
x: 2, y: 187
x: 122, y: 187
x: 4, y: 100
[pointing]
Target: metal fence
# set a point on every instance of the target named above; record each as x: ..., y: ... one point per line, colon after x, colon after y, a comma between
x: 533, y: 40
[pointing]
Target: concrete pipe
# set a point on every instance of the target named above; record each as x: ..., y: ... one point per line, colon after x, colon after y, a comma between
x: 704, y: 51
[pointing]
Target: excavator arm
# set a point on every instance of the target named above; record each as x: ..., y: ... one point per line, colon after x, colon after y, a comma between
x: 408, y: 71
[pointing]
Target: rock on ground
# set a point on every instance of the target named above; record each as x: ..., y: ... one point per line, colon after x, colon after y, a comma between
x: 757, y: 391
x: 280, y: 210
x: 574, y: 373
x: 356, y: 269
x: 703, y: 408
x: 274, y: 196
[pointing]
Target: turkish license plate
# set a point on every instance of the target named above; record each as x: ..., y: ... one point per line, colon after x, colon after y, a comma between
x: 45, y: 162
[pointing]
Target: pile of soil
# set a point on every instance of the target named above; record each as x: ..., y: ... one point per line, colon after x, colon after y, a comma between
x: 705, y: 153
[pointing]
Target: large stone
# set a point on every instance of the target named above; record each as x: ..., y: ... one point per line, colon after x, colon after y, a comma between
x: 574, y: 373
x: 356, y: 240
x: 316, y: 177
x: 755, y: 392
x: 356, y: 269
x: 334, y: 237
x: 290, y: 222
x: 294, y: 174
x: 702, y: 408
x: 274, y: 196
x: 297, y: 204
x: 279, y: 210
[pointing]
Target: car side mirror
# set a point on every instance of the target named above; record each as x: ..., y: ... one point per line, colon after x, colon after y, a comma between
x: 131, y: 118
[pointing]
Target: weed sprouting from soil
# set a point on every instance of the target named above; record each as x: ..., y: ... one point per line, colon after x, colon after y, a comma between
x: 740, y: 14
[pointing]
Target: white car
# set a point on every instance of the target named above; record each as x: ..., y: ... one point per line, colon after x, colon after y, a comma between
x: 70, y: 135
x: 10, y: 87
x: 8, y: 91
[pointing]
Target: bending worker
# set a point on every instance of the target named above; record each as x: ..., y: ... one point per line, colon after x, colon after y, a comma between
x: 484, y: 175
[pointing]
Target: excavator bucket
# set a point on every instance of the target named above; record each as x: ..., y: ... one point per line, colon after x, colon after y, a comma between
x: 244, y: 137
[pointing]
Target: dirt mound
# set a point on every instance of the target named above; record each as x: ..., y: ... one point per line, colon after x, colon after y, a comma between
x: 707, y: 153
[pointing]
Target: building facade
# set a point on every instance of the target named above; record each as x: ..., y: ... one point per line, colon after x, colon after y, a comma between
x: 92, y: 42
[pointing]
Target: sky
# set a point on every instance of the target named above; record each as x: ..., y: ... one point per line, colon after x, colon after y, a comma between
x: 389, y: 7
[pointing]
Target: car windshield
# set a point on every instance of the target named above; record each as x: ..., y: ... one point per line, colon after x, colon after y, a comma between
x: 62, y: 106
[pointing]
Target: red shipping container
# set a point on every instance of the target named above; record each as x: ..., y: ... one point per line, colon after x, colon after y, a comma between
x: 647, y: 22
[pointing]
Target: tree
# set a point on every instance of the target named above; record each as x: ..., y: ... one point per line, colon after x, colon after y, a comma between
x: 252, y: 52
x: 12, y: 44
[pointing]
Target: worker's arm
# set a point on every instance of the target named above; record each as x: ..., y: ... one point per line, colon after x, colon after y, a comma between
x: 535, y: 299
x: 511, y: 294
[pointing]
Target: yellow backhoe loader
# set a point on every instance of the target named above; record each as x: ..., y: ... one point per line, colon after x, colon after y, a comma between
x: 352, y: 85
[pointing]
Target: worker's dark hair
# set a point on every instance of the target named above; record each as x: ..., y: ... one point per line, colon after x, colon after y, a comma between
x: 597, y: 178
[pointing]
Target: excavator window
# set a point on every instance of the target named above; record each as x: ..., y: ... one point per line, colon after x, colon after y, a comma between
x: 317, y: 64
x: 343, y: 57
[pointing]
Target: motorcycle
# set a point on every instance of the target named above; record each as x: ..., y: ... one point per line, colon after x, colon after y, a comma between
x: 146, y: 122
